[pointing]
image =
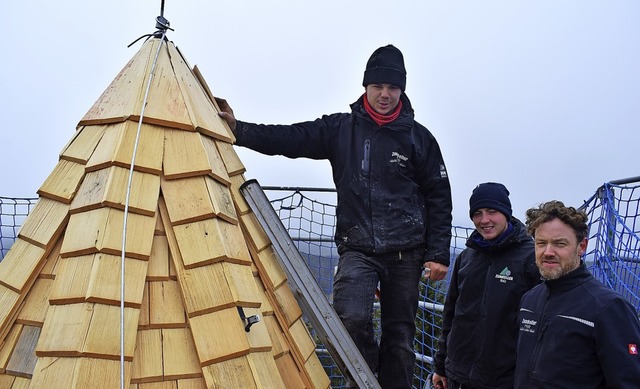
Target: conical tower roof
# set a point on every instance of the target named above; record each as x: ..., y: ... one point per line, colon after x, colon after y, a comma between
x: 195, y: 258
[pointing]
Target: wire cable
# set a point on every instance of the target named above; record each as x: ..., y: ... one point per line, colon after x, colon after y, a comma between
x: 126, y: 206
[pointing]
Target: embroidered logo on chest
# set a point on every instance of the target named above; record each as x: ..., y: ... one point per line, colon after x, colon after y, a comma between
x: 398, y: 158
x: 505, y: 275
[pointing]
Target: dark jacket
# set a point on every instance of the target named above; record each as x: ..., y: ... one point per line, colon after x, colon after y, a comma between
x: 577, y: 333
x: 477, y: 346
x: 392, y: 184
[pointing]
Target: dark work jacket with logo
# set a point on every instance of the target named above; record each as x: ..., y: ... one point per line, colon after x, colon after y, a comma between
x: 577, y: 333
x: 477, y: 346
x: 392, y: 184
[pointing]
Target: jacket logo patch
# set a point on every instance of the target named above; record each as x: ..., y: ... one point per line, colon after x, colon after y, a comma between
x: 443, y: 171
x: 528, y: 326
x: 504, y: 275
x: 398, y: 158
x: 633, y: 349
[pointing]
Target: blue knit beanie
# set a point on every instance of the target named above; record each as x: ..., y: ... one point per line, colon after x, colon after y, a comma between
x: 490, y: 195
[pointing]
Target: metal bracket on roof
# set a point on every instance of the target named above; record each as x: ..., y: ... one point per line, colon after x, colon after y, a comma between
x: 249, y: 321
x: 305, y: 288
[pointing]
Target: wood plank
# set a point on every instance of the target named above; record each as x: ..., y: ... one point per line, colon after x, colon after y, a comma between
x: 316, y: 372
x: 21, y: 383
x: 63, y: 182
x: 302, y: 339
x: 287, y: 304
x: 265, y: 306
x: 104, y: 336
x: 139, y: 237
x: 147, y: 361
x: 255, y: 233
x: 232, y: 373
x: 100, y: 230
x: 104, y: 154
x: 99, y: 373
x: 23, y: 359
x: 72, y: 280
x: 200, y: 296
x: 275, y: 275
x: 156, y: 385
x: 143, y: 316
x: 149, y: 153
x: 232, y: 162
x: 143, y: 196
x: 187, y: 200
x: 91, y: 193
x: 53, y: 372
x: 64, y: 331
x: 166, y: 102
x: 242, y: 208
x: 207, y: 90
x: 6, y: 381
x: 222, y: 201
x: 34, y: 308
x: 180, y: 358
x: 235, y: 245
x: 184, y: 155
x: 205, y: 289
x: 289, y: 372
x: 166, y: 309
x: 263, y: 367
x: 200, y: 243
x: 218, y: 171
x: 106, y: 279
x: 108, y: 187
x: 9, y: 303
x: 192, y: 383
x: 202, y: 112
x: 49, y: 268
x: 258, y: 334
x: 219, y: 336
x: 8, y: 345
x: 158, y: 269
x: 125, y: 93
x: 159, y: 225
x: 84, y: 142
x: 20, y: 266
x: 243, y: 288
x: 279, y: 343
x: 45, y: 222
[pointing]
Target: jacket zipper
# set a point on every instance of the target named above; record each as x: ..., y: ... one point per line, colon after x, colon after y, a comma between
x: 366, y: 160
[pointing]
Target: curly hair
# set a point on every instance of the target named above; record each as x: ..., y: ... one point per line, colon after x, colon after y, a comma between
x: 576, y: 219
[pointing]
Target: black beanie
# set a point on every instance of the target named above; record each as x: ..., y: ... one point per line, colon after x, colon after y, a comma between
x: 490, y: 195
x: 386, y: 66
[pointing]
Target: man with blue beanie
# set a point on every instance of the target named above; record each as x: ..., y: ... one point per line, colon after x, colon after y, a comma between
x: 479, y: 329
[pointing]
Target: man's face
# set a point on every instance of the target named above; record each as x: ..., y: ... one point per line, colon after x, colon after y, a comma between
x: 383, y: 98
x: 557, y: 250
x: 489, y: 222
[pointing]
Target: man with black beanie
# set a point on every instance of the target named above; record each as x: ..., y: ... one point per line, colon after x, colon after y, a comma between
x: 477, y: 346
x: 393, y: 212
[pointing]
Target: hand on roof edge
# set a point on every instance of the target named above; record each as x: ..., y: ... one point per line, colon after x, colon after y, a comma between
x: 226, y: 113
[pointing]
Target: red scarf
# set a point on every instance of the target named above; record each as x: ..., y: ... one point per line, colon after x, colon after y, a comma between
x: 381, y: 120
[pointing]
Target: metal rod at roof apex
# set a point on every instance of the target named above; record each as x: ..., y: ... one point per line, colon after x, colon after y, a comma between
x: 625, y: 180
x: 297, y: 189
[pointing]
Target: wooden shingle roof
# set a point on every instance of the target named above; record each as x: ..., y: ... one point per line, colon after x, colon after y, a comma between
x: 195, y: 256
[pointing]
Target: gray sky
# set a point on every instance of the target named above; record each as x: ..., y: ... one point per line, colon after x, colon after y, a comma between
x: 542, y: 96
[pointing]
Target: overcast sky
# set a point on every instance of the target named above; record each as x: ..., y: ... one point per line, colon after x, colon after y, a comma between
x: 542, y: 96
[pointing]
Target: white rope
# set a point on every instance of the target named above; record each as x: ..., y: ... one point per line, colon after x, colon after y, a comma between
x: 126, y: 211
